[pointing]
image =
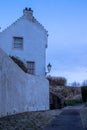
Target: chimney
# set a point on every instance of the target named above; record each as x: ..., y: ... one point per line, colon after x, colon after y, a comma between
x: 28, y: 13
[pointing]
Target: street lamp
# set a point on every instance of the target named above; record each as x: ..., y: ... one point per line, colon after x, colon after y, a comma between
x: 48, y: 68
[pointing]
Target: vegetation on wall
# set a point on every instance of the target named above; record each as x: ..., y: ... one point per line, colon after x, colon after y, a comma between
x: 19, y: 63
x: 84, y: 93
x: 61, y: 81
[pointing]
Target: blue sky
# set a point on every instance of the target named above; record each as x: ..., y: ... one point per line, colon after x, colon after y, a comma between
x: 66, y: 22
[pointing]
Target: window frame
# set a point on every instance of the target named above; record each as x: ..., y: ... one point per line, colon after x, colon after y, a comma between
x: 18, y: 48
x: 31, y: 69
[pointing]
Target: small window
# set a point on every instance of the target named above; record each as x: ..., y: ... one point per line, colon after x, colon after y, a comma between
x: 18, y: 42
x: 31, y: 67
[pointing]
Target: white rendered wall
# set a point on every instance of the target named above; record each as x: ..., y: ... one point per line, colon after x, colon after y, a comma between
x: 20, y: 92
x: 34, y: 45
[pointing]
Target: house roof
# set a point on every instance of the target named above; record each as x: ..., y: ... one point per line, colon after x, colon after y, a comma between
x: 28, y: 14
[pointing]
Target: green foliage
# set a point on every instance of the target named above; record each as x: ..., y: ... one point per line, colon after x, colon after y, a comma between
x: 84, y: 93
x: 61, y: 81
x: 73, y: 102
x: 19, y: 63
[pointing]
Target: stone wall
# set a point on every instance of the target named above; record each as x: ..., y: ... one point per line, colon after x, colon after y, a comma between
x: 20, y: 92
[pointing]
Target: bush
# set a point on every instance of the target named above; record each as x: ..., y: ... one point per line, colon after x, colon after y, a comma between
x: 73, y: 102
x: 84, y: 93
x: 19, y: 63
x: 61, y: 81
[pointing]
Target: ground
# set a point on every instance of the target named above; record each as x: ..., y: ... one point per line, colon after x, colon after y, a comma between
x: 28, y: 120
x: 37, y: 120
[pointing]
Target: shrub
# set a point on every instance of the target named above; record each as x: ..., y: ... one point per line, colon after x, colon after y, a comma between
x: 73, y: 102
x: 19, y: 63
x: 84, y: 93
x: 61, y: 81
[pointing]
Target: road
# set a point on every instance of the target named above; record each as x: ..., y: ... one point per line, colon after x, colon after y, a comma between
x: 69, y: 119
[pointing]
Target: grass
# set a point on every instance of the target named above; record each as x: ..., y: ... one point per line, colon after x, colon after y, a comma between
x: 83, y: 114
x: 73, y: 102
x: 28, y: 120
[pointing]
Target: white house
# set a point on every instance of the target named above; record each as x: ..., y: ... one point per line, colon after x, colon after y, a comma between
x: 26, y: 38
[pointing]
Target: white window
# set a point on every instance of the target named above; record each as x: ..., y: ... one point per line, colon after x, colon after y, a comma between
x: 18, y: 42
x: 31, y: 67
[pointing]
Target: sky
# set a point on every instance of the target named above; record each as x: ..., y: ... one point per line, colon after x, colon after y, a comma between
x: 66, y: 23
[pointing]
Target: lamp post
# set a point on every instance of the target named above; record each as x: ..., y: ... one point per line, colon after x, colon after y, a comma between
x: 48, y: 68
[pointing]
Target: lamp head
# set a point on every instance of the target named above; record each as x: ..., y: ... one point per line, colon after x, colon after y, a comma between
x: 49, y: 67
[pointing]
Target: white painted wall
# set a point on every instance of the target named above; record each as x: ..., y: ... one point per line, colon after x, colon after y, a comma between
x: 35, y: 40
x: 20, y: 92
